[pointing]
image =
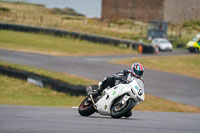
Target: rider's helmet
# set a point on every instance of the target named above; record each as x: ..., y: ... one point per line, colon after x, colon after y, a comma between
x: 137, y: 70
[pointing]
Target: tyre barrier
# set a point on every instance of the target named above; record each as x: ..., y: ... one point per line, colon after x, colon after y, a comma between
x: 43, y: 81
x: 79, y: 35
x: 146, y: 49
x: 59, y: 32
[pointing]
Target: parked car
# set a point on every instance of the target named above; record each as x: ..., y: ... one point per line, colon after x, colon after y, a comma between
x: 194, y: 44
x: 162, y: 43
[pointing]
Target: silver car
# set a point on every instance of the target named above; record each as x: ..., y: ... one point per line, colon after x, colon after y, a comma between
x: 162, y: 43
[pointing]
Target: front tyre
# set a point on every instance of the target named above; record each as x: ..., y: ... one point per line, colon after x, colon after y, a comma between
x: 118, y: 110
x: 128, y: 114
x: 86, y: 108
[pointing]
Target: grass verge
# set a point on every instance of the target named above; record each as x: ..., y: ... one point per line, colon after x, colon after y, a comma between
x: 153, y: 103
x: 48, y: 44
x: 188, y: 65
x: 71, y: 79
x: 30, y: 14
x: 17, y: 92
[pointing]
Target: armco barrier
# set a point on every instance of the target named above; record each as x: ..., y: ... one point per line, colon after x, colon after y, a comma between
x: 57, y: 85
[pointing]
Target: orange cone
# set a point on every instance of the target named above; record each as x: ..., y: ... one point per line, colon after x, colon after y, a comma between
x: 140, y: 49
x: 156, y: 50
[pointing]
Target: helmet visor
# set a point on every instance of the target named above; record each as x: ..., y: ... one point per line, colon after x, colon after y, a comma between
x: 139, y: 73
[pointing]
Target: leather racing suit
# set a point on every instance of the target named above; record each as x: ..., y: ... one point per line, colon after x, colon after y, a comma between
x: 117, y: 78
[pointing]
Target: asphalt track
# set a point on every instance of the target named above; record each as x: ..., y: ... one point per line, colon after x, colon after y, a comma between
x: 24, y: 119
x: 170, y: 86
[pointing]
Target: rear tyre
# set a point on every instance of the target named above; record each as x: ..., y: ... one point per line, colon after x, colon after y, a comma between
x: 191, y: 51
x: 118, y: 110
x: 196, y: 50
x: 86, y: 108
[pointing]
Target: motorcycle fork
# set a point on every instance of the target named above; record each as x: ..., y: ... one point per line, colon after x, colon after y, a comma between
x: 93, y: 102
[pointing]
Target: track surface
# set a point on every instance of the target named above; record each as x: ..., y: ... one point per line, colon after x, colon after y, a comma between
x: 170, y: 86
x: 23, y: 119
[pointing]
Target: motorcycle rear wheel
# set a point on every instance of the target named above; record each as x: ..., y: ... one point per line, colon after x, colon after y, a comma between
x: 115, y: 112
x: 86, y: 108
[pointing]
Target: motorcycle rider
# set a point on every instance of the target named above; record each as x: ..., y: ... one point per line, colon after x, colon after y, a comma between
x: 135, y: 73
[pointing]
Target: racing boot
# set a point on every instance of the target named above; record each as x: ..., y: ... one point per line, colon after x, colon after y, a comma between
x: 102, y: 85
x: 96, y: 93
x: 91, y: 90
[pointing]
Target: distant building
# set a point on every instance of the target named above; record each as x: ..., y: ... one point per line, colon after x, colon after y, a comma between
x: 174, y: 11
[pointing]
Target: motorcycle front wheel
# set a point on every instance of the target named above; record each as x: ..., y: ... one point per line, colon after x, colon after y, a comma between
x: 86, y: 108
x: 118, y: 110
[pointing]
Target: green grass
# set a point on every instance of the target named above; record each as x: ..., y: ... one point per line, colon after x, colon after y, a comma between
x: 71, y: 79
x: 194, y: 24
x: 153, y: 103
x: 17, y: 92
x: 30, y: 14
x: 188, y: 65
x: 48, y: 44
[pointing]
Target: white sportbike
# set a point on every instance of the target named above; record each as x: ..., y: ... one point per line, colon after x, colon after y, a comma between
x: 116, y: 102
